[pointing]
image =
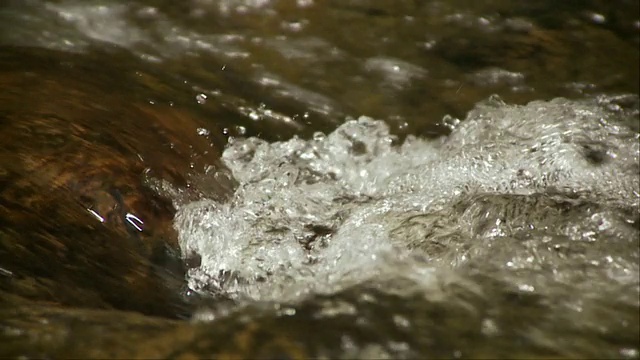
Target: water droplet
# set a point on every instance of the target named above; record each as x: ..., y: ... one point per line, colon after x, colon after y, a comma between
x: 489, y: 327
x: 597, y: 18
x: 288, y: 311
x: 203, y: 132
x: 401, y: 321
x: 201, y: 98
x: 254, y: 115
x: 134, y: 221
x: 629, y: 353
x: 526, y: 288
x: 96, y: 215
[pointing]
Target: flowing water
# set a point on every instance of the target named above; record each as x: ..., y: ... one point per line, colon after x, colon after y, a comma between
x: 521, y: 210
x: 345, y: 184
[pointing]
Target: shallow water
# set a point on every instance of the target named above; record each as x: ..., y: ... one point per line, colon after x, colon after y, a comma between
x: 372, y: 217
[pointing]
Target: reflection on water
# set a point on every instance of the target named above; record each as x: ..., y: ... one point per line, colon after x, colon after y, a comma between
x: 514, y: 236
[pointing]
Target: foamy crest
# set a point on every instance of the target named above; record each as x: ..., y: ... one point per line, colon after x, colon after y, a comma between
x: 319, y: 215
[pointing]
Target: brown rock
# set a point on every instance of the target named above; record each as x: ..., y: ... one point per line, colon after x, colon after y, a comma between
x: 79, y: 223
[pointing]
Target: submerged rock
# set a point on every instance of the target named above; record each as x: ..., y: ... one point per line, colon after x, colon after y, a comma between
x: 81, y: 224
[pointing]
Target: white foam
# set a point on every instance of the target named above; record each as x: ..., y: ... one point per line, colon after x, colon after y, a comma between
x: 315, y: 216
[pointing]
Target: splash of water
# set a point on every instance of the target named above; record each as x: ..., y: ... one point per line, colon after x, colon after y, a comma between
x: 512, y: 188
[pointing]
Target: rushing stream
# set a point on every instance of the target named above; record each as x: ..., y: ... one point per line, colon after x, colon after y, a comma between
x: 319, y: 179
x: 546, y: 187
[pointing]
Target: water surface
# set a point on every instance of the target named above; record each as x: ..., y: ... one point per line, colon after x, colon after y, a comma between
x: 365, y: 212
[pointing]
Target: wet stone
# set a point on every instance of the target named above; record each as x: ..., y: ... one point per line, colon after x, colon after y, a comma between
x: 80, y: 226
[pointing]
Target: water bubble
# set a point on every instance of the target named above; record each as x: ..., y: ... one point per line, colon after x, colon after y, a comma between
x: 494, y: 101
x: 319, y: 136
x: 597, y: 18
x: 450, y: 122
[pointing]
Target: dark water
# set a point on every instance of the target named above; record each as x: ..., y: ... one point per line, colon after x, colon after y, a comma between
x: 409, y: 63
x: 116, y: 111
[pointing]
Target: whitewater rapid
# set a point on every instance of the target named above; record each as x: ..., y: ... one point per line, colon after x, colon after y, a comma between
x: 515, y: 189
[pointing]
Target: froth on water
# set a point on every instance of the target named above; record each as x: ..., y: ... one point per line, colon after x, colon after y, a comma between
x: 520, y: 209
